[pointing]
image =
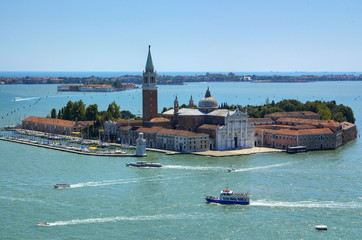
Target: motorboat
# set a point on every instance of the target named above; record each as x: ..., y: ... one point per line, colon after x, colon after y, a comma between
x: 231, y: 170
x: 61, y: 185
x: 43, y: 224
x: 297, y: 149
x: 119, y: 152
x: 143, y: 164
x: 321, y: 227
x: 228, y: 197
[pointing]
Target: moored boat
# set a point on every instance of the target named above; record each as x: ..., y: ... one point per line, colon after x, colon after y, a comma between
x: 61, y: 185
x: 297, y: 149
x: 143, y: 164
x: 228, y: 197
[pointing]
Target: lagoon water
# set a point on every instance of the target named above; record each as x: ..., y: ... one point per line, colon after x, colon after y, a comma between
x: 290, y: 194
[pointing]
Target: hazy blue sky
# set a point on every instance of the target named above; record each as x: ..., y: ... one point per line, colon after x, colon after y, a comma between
x: 197, y: 35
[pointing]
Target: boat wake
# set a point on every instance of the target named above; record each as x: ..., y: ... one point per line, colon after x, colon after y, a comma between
x: 192, y: 167
x: 21, y: 199
x: 18, y: 99
x: 116, y: 219
x: 261, y: 167
x: 116, y: 182
x: 307, y: 204
x: 201, y: 168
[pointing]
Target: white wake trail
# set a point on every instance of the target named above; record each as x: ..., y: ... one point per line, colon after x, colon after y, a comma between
x: 261, y: 167
x: 307, y: 204
x: 120, y: 218
x: 18, y: 99
x: 117, y: 182
x: 202, y: 168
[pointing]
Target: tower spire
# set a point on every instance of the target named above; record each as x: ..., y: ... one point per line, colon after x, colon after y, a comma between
x: 149, y: 90
x: 149, y: 63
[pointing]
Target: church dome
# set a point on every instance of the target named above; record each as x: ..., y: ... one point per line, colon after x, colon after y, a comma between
x: 208, y: 103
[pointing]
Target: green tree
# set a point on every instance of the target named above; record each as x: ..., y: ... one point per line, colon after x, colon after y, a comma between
x: 53, y: 113
x: 68, y: 111
x: 113, y: 111
x: 324, y: 111
x: 78, y: 111
x: 91, y: 112
x: 128, y: 115
x: 339, y: 117
x: 60, y: 114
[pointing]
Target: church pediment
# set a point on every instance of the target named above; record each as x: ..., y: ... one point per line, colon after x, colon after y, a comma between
x: 237, y: 115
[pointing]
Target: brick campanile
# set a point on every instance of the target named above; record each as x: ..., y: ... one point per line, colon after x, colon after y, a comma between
x: 149, y: 90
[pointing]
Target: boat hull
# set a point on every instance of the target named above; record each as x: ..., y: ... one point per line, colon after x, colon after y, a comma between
x: 214, y: 200
x: 59, y: 186
x: 144, y: 165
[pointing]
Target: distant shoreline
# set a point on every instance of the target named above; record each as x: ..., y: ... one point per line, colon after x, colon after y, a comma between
x: 163, y: 79
x: 53, y: 74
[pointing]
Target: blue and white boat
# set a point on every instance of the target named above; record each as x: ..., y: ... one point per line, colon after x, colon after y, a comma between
x: 228, y: 197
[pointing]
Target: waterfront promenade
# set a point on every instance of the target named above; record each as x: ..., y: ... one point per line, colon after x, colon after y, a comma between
x: 69, y: 150
x: 229, y: 153
x: 239, y: 152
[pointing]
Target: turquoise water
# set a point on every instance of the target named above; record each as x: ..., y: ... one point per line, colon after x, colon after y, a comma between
x: 290, y: 194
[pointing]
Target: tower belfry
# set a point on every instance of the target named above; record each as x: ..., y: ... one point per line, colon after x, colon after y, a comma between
x: 149, y: 90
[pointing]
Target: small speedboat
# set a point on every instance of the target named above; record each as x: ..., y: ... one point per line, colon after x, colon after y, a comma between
x: 231, y: 169
x: 143, y: 164
x: 228, y: 197
x: 321, y: 227
x: 43, y: 224
x: 61, y: 185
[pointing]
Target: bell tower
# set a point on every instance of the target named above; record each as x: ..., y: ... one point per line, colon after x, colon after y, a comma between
x: 149, y: 90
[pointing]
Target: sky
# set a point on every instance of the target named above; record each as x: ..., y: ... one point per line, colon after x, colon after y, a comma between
x: 185, y: 36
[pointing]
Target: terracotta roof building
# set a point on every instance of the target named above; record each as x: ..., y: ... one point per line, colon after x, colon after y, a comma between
x: 53, y: 125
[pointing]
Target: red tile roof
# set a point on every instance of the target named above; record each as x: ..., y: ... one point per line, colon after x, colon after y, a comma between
x: 299, y: 131
x: 126, y: 128
x: 149, y: 130
x: 309, y: 121
x: 252, y: 120
x: 292, y: 114
x: 160, y: 119
x: 129, y: 122
x: 209, y: 126
x: 347, y: 125
x: 50, y: 121
x: 180, y: 133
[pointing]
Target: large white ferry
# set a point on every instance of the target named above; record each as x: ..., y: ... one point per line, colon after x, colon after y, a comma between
x: 228, y: 197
